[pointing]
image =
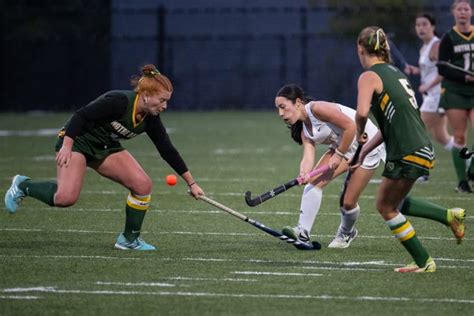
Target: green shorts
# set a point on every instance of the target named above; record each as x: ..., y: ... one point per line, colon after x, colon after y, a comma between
x: 91, y: 150
x: 451, y: 100
x: 411, y: 166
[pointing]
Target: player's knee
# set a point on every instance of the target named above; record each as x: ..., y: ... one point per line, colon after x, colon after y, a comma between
x: 143, y: 186
x: 65, y: 199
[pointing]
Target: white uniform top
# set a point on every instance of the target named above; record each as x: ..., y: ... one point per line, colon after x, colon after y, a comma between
x: 428, y: 69
x: 329, y: 134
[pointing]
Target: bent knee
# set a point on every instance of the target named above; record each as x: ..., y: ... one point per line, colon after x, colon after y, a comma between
x: 143, y: 186
x: 65, y: 199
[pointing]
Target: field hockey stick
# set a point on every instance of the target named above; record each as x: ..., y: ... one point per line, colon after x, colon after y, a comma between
x: 447, y: 64
x: 280, y: 189
x: 297, y: 243
x: 349, y: 173
x: 465, y: 153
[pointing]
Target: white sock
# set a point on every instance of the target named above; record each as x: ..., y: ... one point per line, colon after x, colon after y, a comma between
x: 348, y: 219
x: 310, y: 204
x: 450, y: 144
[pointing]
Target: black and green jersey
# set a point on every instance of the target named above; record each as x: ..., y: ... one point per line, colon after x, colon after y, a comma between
x: 111, y: 118
x: 397, y: 113
x: 458, y: 49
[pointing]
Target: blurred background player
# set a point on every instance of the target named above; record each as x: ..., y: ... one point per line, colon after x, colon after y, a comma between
x: 457, y: 97
x: 91, y: 139
x: 430, y: 82
x: 385, y: 91
x: 318, y: 122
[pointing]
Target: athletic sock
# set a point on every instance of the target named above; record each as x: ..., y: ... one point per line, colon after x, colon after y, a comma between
x: 348, y: 219
x: 135, y: 210
x: 459, y: 164
x: 310, y: 204
x: 40, y: 190
x: 450, y: 144
x: 405, y: 233
x: 420, y: 208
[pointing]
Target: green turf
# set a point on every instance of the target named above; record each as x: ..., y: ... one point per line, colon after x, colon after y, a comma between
x: 208, y: 261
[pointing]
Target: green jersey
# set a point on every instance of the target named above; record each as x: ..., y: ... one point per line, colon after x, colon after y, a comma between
x: 98, y: 127
x: 397, y: 114
x: 458, y: 49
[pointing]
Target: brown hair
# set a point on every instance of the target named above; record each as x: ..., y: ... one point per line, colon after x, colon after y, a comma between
x: 293, y: 92
x: 456, y: 2
x: 151, y: 81
x: 374, y: 40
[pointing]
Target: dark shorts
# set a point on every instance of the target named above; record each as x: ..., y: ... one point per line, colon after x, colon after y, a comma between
x: 451, y: 100
x: 411, y: 166
x: 92, y: 151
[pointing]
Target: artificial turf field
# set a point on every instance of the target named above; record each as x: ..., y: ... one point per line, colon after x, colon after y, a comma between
x: 62, y: 261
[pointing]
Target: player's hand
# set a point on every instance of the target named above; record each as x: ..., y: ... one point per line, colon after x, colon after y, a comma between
x: 469, y: 78
x: 195, y: 191
x: 359, y: 161
x: 63, y: 156
x: 334, y: 161
x: 422, y: 89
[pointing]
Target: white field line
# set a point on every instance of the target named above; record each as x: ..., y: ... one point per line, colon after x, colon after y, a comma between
x: 180, y: 278
x: 17, y: 297
x: 257, y: 261
x: 272, y: 213
x: 343, y: 269
x: 276, y: 273
x: 287, y: 194
x: 325, y: 297
x: 81, y: 231
x: 157, y: 284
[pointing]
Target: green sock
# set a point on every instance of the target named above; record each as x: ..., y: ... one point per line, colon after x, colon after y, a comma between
x: 416, y: 250
x: 421, y: 208
x: 133, y: 222
x: 40, y: 190
x: 405, y: 233
x: 459, y: 164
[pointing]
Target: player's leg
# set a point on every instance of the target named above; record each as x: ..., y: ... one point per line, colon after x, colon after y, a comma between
x: 350, y: 209
x: 121, y: 167
x: 62, y: 193
x: 458, y: 120
x: 437, y: 125
x: 390, y: 194
x: 311, y: 201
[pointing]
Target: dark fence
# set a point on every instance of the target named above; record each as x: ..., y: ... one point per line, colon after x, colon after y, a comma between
x: 217, y: 58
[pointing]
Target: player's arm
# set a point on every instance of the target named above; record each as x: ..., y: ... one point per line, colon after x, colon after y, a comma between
x: 330, y: 112
x: 110, y: 106
x: 160, y: 138
x: 445, y: 54
x: 369, y: 82
x: 309, y: 150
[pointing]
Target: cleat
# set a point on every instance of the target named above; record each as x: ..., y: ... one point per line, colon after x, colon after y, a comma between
x: 123, y: 243
x: 296, y: 233
x: 15, y: 195
x: 430, y: 266
x: 457, y: 215
x: 343, y: 240
x: 463, y: 187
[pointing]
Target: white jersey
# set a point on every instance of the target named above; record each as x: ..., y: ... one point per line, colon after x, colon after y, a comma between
x: 329, y: 134
x: 428, y: 69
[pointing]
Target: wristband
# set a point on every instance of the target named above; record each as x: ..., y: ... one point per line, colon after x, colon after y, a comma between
x: 340, y: 153
x: 189, y: 185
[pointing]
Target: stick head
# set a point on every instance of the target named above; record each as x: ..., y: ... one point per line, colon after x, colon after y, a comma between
x: 249, y: 200
x: 308, y: 246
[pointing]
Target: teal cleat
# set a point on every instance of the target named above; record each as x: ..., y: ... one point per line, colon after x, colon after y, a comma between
x: 15, y: 195
x: 123, y: 243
